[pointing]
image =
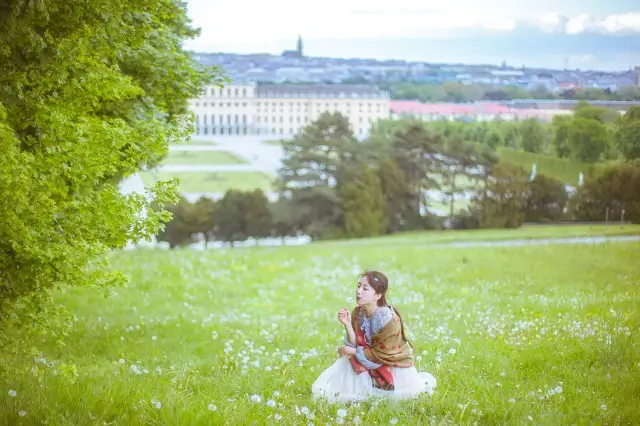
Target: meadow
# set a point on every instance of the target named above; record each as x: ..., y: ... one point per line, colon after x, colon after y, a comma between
x: 202, y: 157
x: 213, y: 182
x: 539, y: 335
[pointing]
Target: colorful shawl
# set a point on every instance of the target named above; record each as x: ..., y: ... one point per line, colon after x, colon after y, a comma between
x: 389, y: 347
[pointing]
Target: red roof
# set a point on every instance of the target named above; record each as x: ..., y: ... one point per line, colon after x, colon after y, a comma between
x: 419, y: 108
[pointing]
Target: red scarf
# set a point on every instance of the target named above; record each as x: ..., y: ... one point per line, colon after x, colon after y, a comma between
x: 381, y: 376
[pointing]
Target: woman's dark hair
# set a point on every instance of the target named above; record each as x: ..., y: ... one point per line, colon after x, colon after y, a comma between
x: 380, y: 284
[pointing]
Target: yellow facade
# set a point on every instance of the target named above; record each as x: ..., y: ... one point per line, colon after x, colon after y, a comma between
x: 281, y: 111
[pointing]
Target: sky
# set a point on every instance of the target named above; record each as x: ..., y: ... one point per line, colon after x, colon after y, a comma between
x: 251, y: 26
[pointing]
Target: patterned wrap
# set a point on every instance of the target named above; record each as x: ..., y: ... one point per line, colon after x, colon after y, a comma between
x: 381, y: 344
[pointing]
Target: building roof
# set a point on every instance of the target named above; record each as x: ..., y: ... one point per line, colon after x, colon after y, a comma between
x: 419, y: 108
x: 332, y: 90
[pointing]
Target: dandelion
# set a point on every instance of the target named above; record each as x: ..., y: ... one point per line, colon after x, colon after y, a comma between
x: 212, y: 407
x: 558, y: 389
x: 154, y: 338
x: 277, y: 416
x: 271, y: 403
x: 342, y: 412
x: 304, y: 410
x: 452, y: 351
x: 121, y: 361
x: 12, y: 393
x: 22, y: 413
x: 603, y: 407
x: 340, y: 420
x: 255, y: 398
x: 393, y: 421
x: 530, y: 418
x: 512, y: 401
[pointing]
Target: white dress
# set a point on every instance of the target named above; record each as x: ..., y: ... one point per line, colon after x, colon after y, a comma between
x: 340, y: 383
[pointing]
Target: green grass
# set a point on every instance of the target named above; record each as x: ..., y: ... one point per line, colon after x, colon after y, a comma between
x: 532, y: 232
x: 499, y: 328
x: 565, y: 170
x: 202, y: 157
x: 217, y: 182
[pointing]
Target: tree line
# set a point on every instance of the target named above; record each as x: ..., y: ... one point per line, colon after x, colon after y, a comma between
x: 455, y: 92
x: 332, y: 185
x: 591, y: 134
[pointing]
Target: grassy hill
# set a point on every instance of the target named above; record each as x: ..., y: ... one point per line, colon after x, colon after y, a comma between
x: 565, y: 170
x: 514, y: 335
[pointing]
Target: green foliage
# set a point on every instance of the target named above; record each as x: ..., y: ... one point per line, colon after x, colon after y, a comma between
x: 533, y: 135
x: 616, y: 190
x: 503, y: 207
x: 363, y: 205
x: 587, y: 139
x: 451, y: 91
x: 627, y: 135
x: 545, y: 199
x: 90, y: 93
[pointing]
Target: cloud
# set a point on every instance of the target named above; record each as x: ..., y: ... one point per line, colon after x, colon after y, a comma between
x: 259, y: 26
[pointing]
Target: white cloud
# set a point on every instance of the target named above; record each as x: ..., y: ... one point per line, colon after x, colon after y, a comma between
x: 251, y: 25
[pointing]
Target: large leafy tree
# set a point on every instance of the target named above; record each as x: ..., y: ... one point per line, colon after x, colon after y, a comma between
x: 90, y: 92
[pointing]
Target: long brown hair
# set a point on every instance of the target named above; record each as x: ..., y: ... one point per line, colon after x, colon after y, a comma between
x: 380, y: 284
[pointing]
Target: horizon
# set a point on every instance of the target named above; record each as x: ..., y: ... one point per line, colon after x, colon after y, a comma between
x: 547, y: 34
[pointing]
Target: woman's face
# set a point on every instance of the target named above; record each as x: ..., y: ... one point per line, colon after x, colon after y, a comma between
x: 365, y: 294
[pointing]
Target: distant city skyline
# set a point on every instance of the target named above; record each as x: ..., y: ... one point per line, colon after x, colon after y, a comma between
x: 405, y: 30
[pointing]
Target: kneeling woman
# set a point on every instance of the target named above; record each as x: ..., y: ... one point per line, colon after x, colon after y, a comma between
x: 377, y: 359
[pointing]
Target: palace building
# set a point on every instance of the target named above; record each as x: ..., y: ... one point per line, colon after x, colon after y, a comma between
x: 282, y: 110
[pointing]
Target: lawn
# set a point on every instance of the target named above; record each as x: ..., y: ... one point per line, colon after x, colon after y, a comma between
x: 202, y: 157
x: 531, y: 232
x: 565, y: 170
x: 217, y: 182
x: 521, y: 335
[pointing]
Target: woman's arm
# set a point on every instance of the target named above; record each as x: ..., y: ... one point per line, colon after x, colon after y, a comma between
x: 350, y: 340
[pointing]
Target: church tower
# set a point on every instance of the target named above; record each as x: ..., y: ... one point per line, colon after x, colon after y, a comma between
x: 300, y: 47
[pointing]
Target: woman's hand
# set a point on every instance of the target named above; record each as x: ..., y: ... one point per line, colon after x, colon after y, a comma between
x: 344, y: 316
x: 346, y: 350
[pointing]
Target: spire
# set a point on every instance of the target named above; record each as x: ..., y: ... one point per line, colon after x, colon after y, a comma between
x: 300, y: 46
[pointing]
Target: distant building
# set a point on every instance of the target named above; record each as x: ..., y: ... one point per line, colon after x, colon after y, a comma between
x: 282, y: 110
x: 636, y: 76
x: 298, y: 53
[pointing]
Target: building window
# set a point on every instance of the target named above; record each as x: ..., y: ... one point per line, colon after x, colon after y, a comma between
x: 213, y: 119
x: 237, y: 120
x: 290, y: 130
x: 205, y: 130
x: 237, y: 130
x: 213, y: 130
x: 273, y: 130
x: 230, y: 130
x: 222, y: 130
x: 258, y: 119
x: 229, y: 119
x: 244, y: 94
x: 244, y: 119
x: 244, y: 130
x: 221, y: 119
x: 281, y: 120
x: 281, y: 131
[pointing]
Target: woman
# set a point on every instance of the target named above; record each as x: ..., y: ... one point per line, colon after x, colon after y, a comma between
x: 377, y: 359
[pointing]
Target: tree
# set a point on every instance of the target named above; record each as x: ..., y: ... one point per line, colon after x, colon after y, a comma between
x: 204, y: 211
x: 363, y: 205
x: 182, y: 227
x: 91, y: 92
x: 533, y: 135
x: 587, y: 140
x: 546, y: 198
x: 401, y: 210
x: 561, y: 125
x: 505, y: 197
x: 458, y: 160
x: 615, y: 190
x: 325, y: 154
x: 257, y: 215
x: 627, y: 135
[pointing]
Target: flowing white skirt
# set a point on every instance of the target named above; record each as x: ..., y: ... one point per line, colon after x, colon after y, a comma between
x: 339, y: 383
